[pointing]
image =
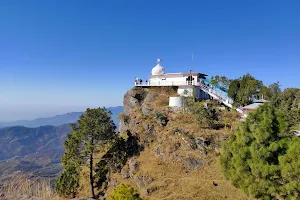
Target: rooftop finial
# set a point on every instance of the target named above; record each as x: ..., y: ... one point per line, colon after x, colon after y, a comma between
x: 159, y: 60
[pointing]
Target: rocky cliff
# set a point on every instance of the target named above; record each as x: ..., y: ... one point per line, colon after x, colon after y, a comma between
x: 177, y: 159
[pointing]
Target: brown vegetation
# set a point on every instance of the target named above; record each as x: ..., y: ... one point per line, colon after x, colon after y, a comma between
x: 18, y: 185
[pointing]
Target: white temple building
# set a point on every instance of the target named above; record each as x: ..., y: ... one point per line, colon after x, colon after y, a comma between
x: 188, y: 82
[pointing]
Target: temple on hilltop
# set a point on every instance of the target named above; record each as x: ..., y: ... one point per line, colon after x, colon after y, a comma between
x: 189, y: 84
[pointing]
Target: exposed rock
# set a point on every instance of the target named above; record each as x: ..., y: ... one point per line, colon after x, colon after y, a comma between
x: 193, y: 163
x: 178, y: 131
x: 133, y: 99
x: 147, y: 109
x: 123, y: 126
x: 149, y: 128
x: 159, y: 154
x: 143, y: 181
x: 150, y: 97
x: 189, y: 144
x: 133, y: 165
x: 113, y: 182
x: 202, y: 142
x: 125, y: 172
x: 150, y: 190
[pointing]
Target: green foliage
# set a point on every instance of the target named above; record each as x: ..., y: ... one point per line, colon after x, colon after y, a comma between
x: 123, y: 117
x: 95, y: 129
x: 255, y: 160
x: 242, y: 90
x: 290, y: 170
x: 270, y: 93
x: 223, y: 80
x: 161, y: 118
x: 265, y: 93
x: 67, y: 182
x: 206, y: 116
x: 124, y: 192
x: 188, y: 103
x: 289, y: 104
x: 115, y: 158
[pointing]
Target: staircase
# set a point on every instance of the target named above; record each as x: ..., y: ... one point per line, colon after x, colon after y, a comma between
x: 218, y: 95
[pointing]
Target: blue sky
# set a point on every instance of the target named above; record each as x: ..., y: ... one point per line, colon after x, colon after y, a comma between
x: 63, y: 56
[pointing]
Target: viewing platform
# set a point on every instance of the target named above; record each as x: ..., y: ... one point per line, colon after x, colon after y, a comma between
x: 166, y: 83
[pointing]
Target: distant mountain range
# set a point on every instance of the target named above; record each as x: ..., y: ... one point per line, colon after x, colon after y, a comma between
x: 58, y: 119
x: 37, y: 148
x: 32, y: 149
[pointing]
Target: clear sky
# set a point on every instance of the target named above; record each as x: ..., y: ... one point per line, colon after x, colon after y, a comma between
x: 58, y: 56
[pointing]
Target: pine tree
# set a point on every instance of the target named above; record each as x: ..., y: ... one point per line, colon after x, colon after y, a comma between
x: 290, y: 170
x: 96, y: 129
x: 68, y: 181
x: 250, y: 157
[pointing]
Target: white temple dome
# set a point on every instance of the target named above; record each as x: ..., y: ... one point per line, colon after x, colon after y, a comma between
x: 158, y: 70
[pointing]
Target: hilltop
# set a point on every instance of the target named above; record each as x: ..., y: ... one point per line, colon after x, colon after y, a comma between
x: 170, y: 156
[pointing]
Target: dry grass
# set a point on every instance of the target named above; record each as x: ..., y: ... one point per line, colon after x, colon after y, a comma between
x: 21, y: 184
x: 173, y: 181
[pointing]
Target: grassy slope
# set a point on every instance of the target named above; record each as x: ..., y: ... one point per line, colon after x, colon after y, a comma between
x: 171, y: 179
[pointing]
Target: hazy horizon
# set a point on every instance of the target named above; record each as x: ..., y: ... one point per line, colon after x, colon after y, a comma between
x: 63, y: 56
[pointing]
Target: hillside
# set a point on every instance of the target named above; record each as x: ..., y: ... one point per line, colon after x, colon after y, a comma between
x: 32, y: 150
x: 57, y: 120
x: 175, y: 158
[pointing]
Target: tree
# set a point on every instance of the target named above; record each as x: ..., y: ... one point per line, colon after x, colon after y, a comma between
x: 289, y: 104
x: 265, y: 93
x: 290, y: 170
x: 234, y: 88
x: 275, y: 90
x: 244, y: 89
x: 96, y: 129
x: 250, y: 157
x: 223, y: 80
x: 68, y: 181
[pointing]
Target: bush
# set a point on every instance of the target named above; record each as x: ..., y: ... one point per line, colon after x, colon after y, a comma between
x: 125, y: 192
x: 205, y: 116
x: 161, y: 118
x: 123, y: 117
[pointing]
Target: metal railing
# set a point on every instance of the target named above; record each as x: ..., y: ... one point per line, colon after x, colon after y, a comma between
x: 216, y: 94
x: 166, y: 83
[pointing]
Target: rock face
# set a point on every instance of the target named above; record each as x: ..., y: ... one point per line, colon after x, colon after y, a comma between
x: 193, y: 163
x: 130, y: 169
x: 139, y: 99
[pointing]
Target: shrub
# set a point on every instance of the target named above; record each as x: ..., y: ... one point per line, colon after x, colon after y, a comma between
x: 161, y: 118
x: 125, y: 192
x: 123, y: 117
x: 205, y: 116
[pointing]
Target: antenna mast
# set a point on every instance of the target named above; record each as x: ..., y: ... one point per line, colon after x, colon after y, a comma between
x: 192, y: 59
